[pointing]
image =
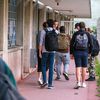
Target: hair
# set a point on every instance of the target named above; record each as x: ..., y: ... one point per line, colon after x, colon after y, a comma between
x: 50, y: 22
x: 76, y: 25
x: 62, y: 29
x: 45, y: 25
x: 82, y: 25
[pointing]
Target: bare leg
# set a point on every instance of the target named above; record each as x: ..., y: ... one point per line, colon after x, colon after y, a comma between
x: 78, y: 74
x: 83, y: 74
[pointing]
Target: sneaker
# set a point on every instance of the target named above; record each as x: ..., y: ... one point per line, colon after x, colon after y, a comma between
x: 78, y: 85
x: 50, y: 87
x: 90, y: 79
x: 84, y: 85
x: 40, y: 82
x: 57, y: 78
x: 66, y: 76
x: 43, y: 85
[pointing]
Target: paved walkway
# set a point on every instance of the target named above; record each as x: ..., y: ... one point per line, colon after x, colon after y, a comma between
x: 63, y: 90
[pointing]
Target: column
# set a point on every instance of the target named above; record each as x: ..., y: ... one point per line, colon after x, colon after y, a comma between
x: 42, y: 17
x: 19, y: 22
x: 4, y: 28
x: 27, y: 36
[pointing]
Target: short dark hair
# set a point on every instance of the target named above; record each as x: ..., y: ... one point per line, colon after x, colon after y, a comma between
x: 82, y: 25
x: 76, y: 25
x: 45, y: 25
x: 62, y: 29
x: 50, y: 22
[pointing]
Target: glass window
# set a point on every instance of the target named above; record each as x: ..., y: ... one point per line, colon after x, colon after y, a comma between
x: 12, y: 23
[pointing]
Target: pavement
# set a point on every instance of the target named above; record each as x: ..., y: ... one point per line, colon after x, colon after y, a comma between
x: 63, y: 89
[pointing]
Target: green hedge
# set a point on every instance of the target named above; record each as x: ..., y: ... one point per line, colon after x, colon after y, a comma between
x: 97, y: 70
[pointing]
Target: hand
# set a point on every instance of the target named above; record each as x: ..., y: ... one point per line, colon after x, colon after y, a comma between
x: 40, y: 55
x: 71, y: 56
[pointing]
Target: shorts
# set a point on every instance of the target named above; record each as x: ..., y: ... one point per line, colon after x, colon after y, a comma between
x: 39, y: 69
x: 81, y: 59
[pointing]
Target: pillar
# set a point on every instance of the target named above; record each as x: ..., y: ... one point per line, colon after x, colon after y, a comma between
x: 27, y: 36
x: 4, y: 28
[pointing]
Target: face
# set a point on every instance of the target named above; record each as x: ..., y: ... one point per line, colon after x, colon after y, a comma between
x: 78, y: 28
x: 56, y: 24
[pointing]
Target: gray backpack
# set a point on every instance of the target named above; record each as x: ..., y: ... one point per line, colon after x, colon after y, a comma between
x: 81, y: 41
x: 7, y: 90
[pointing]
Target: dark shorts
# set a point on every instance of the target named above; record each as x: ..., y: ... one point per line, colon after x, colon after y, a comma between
x: 81, y: 59
x: 39, y: 69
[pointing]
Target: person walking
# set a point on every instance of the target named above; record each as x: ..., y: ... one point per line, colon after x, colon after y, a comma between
x: 91, y: 58
x: 80, y: 46
x: 46, y: 55
x: 39, y: 69
x: 63, y: 57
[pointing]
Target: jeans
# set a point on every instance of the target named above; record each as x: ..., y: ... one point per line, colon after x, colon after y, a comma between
x: 62, y: 58
x: 50, y: 57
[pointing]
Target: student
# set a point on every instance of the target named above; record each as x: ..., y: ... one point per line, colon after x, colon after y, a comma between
x: 80, y: 46
x: 56, y: 28
x: 8, y: 86
x: 77, y: 27
x: 46, y: 55
x: 39, y: 69
x: 63, y: 57
x: 6, y: 70
x: 91, y: 60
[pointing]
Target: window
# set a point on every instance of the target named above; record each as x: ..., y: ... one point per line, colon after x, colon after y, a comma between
x: 12, y: 23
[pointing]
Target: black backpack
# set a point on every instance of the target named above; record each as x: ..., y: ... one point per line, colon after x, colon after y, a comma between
x: 51, y: 40
x: 81, y: 41
x: 7, y: 90
x: 96, y: 47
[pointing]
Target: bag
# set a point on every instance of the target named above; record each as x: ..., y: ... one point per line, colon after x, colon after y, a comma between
x: 63, y: 42
x: 81, y: 41
x: 96, y: 47
x: 51, y: 40
x: 7, y: 89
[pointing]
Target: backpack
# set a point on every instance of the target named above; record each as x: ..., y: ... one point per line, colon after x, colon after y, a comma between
x: 63, y: 42
x: 51, y: 40
x: 96, y: 47
x: 81, y: 41
x: 7, y: 90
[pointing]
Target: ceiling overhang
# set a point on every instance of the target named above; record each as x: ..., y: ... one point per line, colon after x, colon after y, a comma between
x: 77, y: 8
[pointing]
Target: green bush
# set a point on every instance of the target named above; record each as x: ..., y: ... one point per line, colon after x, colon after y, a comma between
x: 97, y: 70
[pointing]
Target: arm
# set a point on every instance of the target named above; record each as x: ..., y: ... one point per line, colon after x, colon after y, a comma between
x: 42, y: 36
x: 72, y: 43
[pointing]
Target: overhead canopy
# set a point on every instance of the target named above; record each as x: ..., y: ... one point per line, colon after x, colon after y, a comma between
x: 77, y: 8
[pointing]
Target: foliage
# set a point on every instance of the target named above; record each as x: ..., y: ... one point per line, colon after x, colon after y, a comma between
x: 97, y: 70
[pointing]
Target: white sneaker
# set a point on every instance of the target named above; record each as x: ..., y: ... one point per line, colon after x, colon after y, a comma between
x: 78, y: 84
x: 40, y: 82
x: 84, y: 85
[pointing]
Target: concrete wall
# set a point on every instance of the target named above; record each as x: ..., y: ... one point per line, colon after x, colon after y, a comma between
x: 22, y: 58
x: 15, y: 62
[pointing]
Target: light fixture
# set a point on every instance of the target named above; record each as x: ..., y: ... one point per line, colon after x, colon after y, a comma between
x: 58, y: 1
x: 49, y: 7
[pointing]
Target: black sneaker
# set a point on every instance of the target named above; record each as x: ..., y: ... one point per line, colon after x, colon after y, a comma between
x: 43, y: 85
x: 57, y: 78
x: 50, y: 87
x: 66, y: 76
x: 90, y: 79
